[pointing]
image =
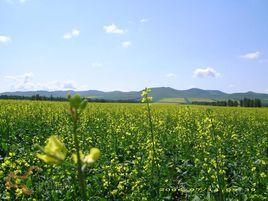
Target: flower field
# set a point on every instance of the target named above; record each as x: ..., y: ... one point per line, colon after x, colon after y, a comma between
x: 177, y: 153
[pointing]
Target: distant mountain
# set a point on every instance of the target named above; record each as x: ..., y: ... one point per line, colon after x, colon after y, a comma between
x: 159, y: 94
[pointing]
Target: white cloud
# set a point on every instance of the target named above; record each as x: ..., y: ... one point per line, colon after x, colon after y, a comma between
x: 126, y: 44
x: 231, y: 85
x: 170, y: 75
x: 252, y: 55
x: 96, y: 64
x: 113, y: 29
x: 67, y: 85
x: 144, y: 20
x: 25, y: 78
x: 23, y: 1
x: 15, y: 1
x: 206, y: 72
x: 67, y: 36
x: 73, y: 33
x: 20, y: 82
x: 26, y: 82
x: 4, y: 39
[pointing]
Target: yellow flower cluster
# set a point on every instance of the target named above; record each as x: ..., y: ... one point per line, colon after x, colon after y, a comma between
x: 90, y: 158
x: 55, y: 152
x: 145, y: 96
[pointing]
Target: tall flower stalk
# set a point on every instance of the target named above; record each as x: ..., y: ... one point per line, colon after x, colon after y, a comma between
x: 147, y: 99
x: 55, y: 151
x: 77, y: 105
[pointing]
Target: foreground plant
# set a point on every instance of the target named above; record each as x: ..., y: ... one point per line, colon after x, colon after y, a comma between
x: 55, y: 151
x: 148, y: 99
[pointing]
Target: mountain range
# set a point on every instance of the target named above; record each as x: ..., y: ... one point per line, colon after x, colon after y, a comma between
x: 159, y: 94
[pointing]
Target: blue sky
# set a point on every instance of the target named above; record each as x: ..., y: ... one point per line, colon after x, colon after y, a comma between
x: 128, y: 45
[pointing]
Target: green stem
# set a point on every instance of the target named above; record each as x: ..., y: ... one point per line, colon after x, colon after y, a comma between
x: 81, y: 178
x: 151, y: 129
x: 153, y: 141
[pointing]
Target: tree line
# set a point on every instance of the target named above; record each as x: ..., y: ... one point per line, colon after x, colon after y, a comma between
x: 246, y: 102
x: 37, y: 97
x: 34, y: 97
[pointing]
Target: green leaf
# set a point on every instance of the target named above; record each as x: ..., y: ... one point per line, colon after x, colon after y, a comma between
x: 4, y: 146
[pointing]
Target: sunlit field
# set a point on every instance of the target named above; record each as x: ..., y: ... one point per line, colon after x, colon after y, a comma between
x: 198, y: 152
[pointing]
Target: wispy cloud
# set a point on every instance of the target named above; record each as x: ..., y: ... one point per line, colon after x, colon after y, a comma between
x: 144, y: 20
x: 15, y: 1
x: 251, y: 55
x: 113, y: 29
x: 26, y: 82
x: 4, y: 39
x: 231, y: 85
x: 170, y: 75
x: 96, y: 64
x: 126, y: 44
x: 73, y: 33
x: 20, y: 82
x: 263, y: 60
x: 206, y: 72
x: 23, y: 1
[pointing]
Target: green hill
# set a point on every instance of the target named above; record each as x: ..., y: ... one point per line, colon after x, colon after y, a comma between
x: 159, y: 94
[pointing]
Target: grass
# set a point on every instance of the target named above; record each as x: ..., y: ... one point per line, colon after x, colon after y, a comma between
x: 172, y: 100
x: 201, y: 100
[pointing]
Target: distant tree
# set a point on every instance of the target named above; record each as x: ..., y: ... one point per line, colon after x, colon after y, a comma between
x: 241, y: 103
x: 251, y: 103
x: 230, y: 103
x: 257, y: 103
x: 236, y: 103
x: 246, y: 102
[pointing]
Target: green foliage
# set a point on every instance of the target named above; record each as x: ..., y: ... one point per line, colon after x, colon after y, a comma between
x: 201, y: 153
x: 201, y: 100
x: 173, y: 100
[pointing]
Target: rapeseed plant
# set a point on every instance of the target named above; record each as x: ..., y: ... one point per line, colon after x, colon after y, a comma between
x: 187, y: 163
x: 55, y: 151
x: 148, y: 99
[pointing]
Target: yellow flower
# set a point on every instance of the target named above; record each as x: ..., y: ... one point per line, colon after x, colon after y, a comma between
x: 92, y: 156
x: 263, y: 175
x: 146, y: 99
x: 145, y: 92
x: 74, y: 157
x: 145, y: 96
x: 18, y: 192
x: 54, y: 152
